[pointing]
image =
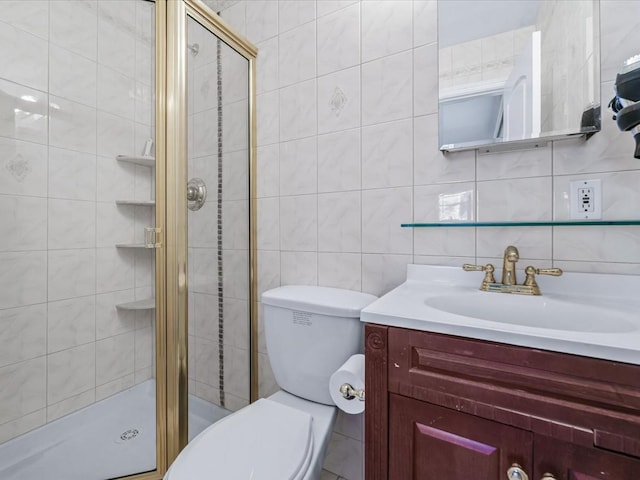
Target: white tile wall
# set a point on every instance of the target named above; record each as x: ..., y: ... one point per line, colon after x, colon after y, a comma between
x: 382, y: 166
x: 63, y: 100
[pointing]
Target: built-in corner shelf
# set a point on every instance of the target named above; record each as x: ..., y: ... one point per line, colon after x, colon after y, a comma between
x: 146, y: 304
x: 551, y: 223
x: 131, y: 245
x: 141, y: 160
x: 137, y: 203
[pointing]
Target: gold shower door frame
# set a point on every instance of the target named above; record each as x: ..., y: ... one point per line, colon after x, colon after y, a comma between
x: 171, y: 220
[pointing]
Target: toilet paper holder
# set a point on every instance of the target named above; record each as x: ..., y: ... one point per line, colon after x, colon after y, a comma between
x: 349, y: 393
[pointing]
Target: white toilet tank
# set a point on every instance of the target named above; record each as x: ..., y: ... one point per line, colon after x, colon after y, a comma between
x: 310, y: 332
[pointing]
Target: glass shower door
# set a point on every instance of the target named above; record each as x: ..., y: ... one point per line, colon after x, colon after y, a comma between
x: 218, y: 228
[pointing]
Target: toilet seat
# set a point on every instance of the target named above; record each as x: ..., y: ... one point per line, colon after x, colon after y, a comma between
x: 263, y: 441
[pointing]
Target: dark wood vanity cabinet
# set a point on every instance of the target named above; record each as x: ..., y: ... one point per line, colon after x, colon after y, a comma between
x: 444, y: 407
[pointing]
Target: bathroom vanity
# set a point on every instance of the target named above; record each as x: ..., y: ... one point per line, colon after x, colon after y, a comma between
x: 445, y: 401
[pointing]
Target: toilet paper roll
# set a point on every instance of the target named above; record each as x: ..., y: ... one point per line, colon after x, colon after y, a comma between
x: 351, y: 372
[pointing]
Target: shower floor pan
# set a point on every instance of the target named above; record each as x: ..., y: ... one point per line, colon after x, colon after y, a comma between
x: 110, y: 438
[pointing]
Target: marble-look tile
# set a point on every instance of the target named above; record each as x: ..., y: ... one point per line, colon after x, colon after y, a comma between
x: 115, y: 386
x: 339, y: 222
x: 70, y: 405
x: 205, y: 127
x: 445, y: 242
x: 236, y: 16
x: 109, y: 320
x: 425, y: 22
x: 425, y: 80
x: 205, y: 168
x: 23, y: 388
x: 262, y: 20
x: 23, y: 167
x: 443, y: 261
x: 387, y: 155
x: 71, y: 273
x: 115, y: 180
x: 207, y: 363
x: 430, y: 165
x: 339, y: 164
x: 203, y: 232
x: 267, y: 66
x: 383, y: 273
x: 532, y: 242
x: 24, y: 223
x: 116, y: 93
x: 619, y: 23
x: 23, y: 333
x: 387, y: 89
x: 143, y: 354
x: 203, y: 271
x: 598, y: 267
x: 233, y: 403
x: 116, y: 136
x: 269, y: 224
x: 351, y: 426
x: 74, y: 25
x: 72, y: 125
x: 444, y: 202
x: 72, y: 175
x: 205, y: 316
x: 588, y: 244
x: 299, y: 268
x: 70, y: 372
x: 23, y: 57
x: 24, y: 115
x: 268, y: 270
x: 116, y: 40
x: 299, y: 166
x: 207, y: 392
x: 235, y: 234
x: 339, y: 101
x: 292, y: 13
x: 22, y: 425
x: 236, y: 371
x: 236, y: 322
x: 32, y: 16
x: 114, y: 357
x: 298, y: 111
x: 236, y: 273
x: 72, y: 76
x: 205, y: 87
x: 268, y: 117
x: 334, y: 55
x: 299, y: 223
x: 326, y: 475
x: 235, y: 129
x: 114, y: 224
x: 23, y: 278
x: 383, y: 211
x: 516, y: 164
x: 144, y: 105
x: 297, y: 55
x: 72, y: 224
x: 340, y: 270
x: 71, y: 323
x: 235, y: 168
x: 344, y: 457
x: 514, y: 199
x: 267, y: 384
x: 386, y: 28
x: 114, y: 269
x: 326, y: 7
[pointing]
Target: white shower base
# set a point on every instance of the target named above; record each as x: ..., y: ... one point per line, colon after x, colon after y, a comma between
x: 111, y: 438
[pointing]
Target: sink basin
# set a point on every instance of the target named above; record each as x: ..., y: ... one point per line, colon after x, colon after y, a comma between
x: 596, y: 315
x: 533, y: 311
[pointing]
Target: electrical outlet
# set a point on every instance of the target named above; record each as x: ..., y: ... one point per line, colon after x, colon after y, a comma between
x: 586, y: 199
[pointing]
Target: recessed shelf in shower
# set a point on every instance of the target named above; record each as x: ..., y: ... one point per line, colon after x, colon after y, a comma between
x: 141, y: 160
x: 144, y: 304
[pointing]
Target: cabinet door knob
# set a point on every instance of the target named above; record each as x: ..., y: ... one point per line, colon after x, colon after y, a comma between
x: 516, y: 473
x: 548, y: 476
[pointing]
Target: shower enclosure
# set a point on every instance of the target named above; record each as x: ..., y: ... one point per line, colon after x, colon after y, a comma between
x: 127, y: 234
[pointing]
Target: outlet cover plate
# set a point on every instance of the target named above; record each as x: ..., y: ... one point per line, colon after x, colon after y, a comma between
x: 586, y: 199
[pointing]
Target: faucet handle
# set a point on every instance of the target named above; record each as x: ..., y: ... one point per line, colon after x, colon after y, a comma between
x: 531, y: 273
x: 488, y: 270
x: 556, y: 272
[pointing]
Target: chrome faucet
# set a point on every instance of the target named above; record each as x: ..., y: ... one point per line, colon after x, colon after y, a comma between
x: 509, y: 283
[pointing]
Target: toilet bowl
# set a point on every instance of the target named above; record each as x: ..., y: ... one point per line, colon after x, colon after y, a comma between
x: 310, y: 332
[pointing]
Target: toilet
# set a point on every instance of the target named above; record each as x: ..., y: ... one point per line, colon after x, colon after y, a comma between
x: 310, y: 332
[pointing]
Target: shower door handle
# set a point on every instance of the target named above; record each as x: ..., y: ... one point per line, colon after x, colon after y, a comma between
x: 196, y: 194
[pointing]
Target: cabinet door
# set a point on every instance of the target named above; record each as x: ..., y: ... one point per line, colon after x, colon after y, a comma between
x: 428, y: 442
x: 573, y: 462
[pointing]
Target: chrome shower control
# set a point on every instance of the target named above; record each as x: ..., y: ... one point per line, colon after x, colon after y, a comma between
x: 196, y: 193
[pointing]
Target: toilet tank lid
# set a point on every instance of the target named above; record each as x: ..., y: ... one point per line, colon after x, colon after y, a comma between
x: 335, y: 302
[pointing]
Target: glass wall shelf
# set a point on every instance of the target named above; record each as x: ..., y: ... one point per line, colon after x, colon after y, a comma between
x: 549, y: 223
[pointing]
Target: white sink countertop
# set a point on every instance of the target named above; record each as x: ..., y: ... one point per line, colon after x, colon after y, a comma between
x: 594, y: 315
